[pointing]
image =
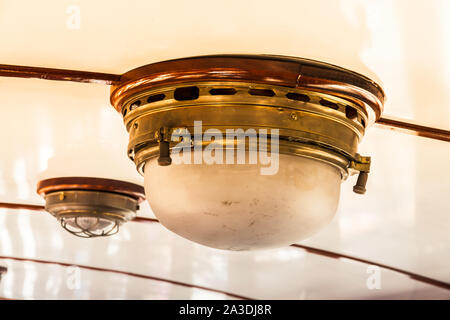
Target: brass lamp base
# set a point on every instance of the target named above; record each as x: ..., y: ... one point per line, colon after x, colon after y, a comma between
x: 320, y: 110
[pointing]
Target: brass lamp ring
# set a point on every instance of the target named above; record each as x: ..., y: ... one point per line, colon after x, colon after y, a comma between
x: 71, y: 206
x: 320, y: 119
x: 118, y: 206
x: 328, y: 156
x: 320, y: 122
x: 241, y: 93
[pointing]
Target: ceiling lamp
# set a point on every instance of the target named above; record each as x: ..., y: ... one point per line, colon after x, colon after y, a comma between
x: 243, y: 152
x: 91, y: 207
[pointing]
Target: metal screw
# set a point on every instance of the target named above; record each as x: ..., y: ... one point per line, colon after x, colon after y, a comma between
x: 294, y: 116
x: 360, y: 186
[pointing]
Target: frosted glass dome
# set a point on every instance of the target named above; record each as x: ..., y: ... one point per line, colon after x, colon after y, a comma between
x: 234, y: 207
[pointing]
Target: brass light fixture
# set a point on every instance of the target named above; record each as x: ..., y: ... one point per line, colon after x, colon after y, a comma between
x: 91, y: 207
x: 319, y: 112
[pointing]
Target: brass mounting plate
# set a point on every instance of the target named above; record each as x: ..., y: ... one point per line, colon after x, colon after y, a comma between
x: 291, y: 72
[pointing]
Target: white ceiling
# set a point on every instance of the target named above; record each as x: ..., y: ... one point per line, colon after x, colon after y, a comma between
x: 54, y: 128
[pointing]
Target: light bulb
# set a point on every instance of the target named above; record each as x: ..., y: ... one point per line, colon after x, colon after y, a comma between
x: 234, y: 207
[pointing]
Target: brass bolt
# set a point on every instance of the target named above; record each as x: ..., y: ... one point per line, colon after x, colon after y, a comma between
x: 360, y: 186
x: 294, y: 116
x: 164, y: 148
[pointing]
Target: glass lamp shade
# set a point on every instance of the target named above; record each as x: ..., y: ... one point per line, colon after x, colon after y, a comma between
x: 234, y: 207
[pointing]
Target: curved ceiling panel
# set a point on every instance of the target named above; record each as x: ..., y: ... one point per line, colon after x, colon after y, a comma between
x: 148, y: 249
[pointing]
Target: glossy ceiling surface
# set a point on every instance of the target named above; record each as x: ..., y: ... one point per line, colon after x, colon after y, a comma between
x: 53, y: 128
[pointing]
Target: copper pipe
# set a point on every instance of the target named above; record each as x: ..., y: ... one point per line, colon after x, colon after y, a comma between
x: 131, y: 274
x: 57, y: 74
x: 18, y: 206
x: 145, y: 220
x: 404, y: 126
